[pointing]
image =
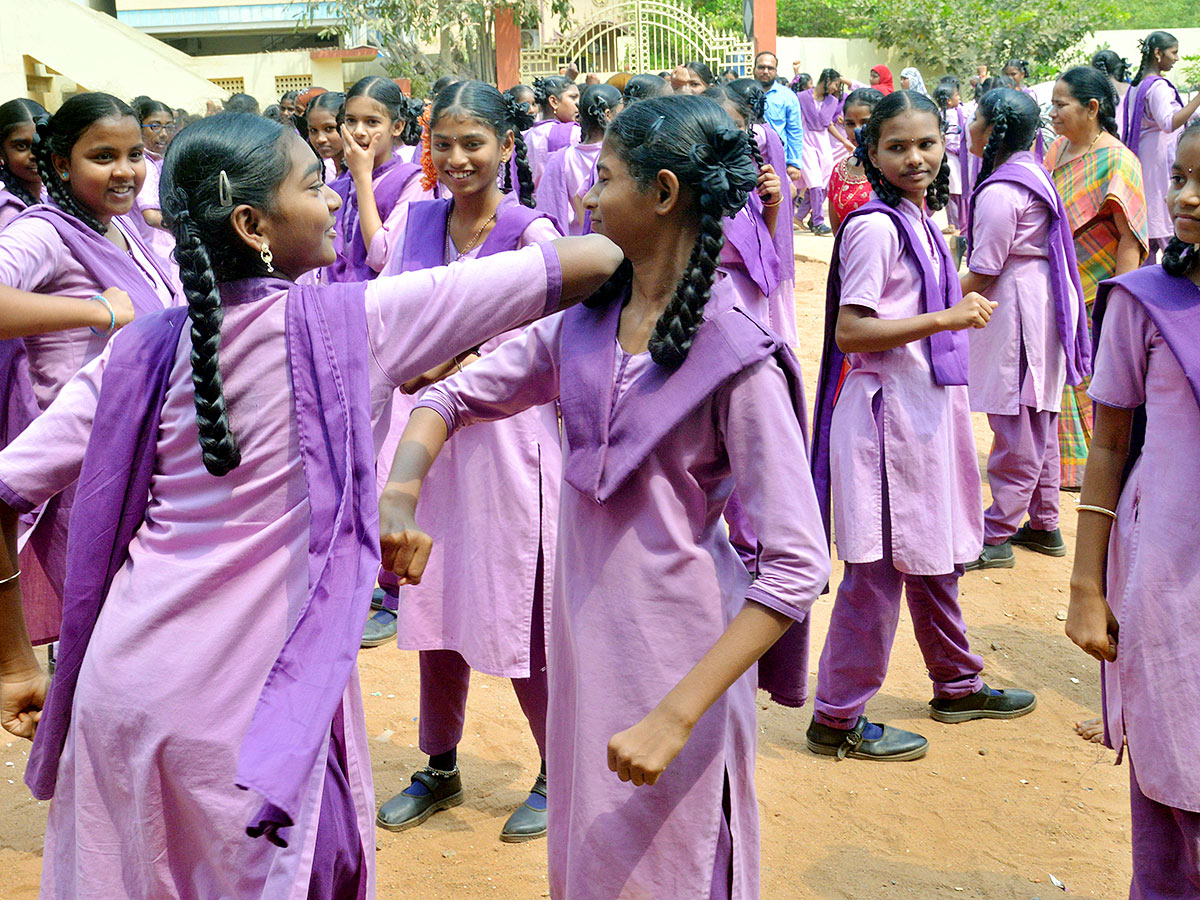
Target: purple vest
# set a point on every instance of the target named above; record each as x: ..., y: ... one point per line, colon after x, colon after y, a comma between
x: 1070, y: 312
x: 387, y: 182
x: 606, y: 449
x: 326, y: 342
x: 1173, y: 304
x: 425, y: 231
x: 949, y: 351
x: 1135, y: 111
x: 103, y: 260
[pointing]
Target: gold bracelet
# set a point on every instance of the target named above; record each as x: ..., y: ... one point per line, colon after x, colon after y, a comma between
x: 1084, y: 507
x: 775, y: 204
x: 13, y: 577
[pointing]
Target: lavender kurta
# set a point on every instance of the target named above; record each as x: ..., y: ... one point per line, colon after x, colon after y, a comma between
x: 1156, y: 151
x: 928, y: 446
x: 1018, y: 359
x: 538, y: 140
x: 781, y: 304
x: 145, y: 804
x: 817, y: 164
x: 161, y: 241
x: 645, y: 582
x: 567, y: 177
x: 490, y: 502
x: 1152, y: 694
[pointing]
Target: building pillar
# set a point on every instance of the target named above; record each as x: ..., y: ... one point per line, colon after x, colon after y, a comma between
x: 764, y: 25
x: 508, y: 49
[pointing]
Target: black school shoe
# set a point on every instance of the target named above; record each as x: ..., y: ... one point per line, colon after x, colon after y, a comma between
x: 406, y: 811
x: 985, y: 703
x: 1048, y: 543
x: 526, y: 823
x: 893, y: 744
x: 993, y: 556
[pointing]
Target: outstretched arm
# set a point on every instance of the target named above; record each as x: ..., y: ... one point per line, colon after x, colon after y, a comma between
x: 859, y: 330
x: 23, y: 314
x: 23, y: 684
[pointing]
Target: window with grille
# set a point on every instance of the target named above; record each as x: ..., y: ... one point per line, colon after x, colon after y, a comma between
x: 285, y: 83
x: 233, y: 85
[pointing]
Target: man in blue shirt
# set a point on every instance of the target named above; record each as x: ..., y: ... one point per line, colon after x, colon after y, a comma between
x: 783, y: 110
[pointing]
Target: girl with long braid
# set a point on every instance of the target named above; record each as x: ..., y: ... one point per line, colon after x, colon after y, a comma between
x: 893, y: 452
x: 83, y: 243
x: 669, y: 394
x: 570, y: 172
x: 492, y: 503
x: 558, y: 99
x: 227, y: 497
x: 380, y: 183
x: 1151, y: 117
x: 1022, y: 257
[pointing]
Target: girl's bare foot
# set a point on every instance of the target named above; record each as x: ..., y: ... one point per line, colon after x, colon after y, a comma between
x: 1091, y: 730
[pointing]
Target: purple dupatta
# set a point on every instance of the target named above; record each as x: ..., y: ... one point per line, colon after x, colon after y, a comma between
x: 290, y: 728
x: 1070, y: 312
x: 776, y: 157
x: 606, y: 448
x: 427, y: 218
x: 1135, y: 112
x: 949, y: 351
x: 387, y: 182
x: 104, y: 261
x: 747, y: 233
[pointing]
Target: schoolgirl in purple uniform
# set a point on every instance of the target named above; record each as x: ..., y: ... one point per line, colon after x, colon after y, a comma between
x: 227, y: 502
x: 1022, y: 257
x: 669, y: 394
x: 377, y: 182
x: 323, y: 120
x: 893, y: 450
x: 158, y: 128
x: 1152, y: 115
x: 570, y: 172
x: 82, y: 243
x: 491, y: 504
x: 558, y: 99
x: 1018, y: 71
x: 1135, y: 589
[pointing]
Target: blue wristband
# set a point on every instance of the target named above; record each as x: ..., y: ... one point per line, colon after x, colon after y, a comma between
x: 112, y: 316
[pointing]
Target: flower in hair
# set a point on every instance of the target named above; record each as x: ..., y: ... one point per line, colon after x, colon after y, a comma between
x: 725, y: 169
x: 429, y: 175
x: 518, y: 112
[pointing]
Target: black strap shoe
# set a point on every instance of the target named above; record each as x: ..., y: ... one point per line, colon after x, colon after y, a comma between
x: 894, y: 744
x: 1048, y: 543
x: 406, y: 811
x: 983, y: 704
x: 527, y: 822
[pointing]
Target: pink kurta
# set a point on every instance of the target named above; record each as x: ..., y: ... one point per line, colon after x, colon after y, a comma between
x: 161, y: 241
x: 1018, y: 359
x: 927, y: 448
x: 1152, y: 693
x: 386, y: 242
x: 1156, y: 150
x: 490, y: 503
x: 567, y: 177
x: 145, y: 804
x: 644, y: 584
x: 537, y: 148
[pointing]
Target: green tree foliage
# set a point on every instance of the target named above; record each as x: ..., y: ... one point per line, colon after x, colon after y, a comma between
x: 1156, y: 14
x: 463, y: 30
x: 958, y: 35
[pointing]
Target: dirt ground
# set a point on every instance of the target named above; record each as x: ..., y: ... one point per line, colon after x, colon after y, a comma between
x: 993, y: 811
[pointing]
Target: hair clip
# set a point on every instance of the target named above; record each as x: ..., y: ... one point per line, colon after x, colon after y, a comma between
x: 224, y: 189
x: 653, y: 129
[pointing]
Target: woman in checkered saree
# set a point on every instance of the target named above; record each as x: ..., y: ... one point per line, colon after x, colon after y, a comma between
x: 1100, y: 181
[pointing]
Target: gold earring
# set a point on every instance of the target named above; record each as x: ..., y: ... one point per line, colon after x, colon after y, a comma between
x: 264, y: 253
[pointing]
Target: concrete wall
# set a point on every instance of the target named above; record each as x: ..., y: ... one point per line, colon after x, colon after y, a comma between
x: 259, y: 71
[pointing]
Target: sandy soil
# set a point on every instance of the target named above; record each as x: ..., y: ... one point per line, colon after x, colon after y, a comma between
x: 992, y: 812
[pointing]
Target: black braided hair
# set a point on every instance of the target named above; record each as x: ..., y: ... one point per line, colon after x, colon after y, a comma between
x: 595, y: 101
x: 826, y: 77
x: 253, y: 152
x: 693, y: 138
x: 1111, y: 64
x: 742, y: 102
x: 1087, y: 84
x: 12, y: 114
x: 481, y: 101
x: 943, y: 91
x: 802, y: 82
x: 1152, y: 44
x: 58, y: 134
x: 550, y: 86
x: 1179, y: 256
x: 645, y: 87
x: 411, y: 113
x: 993, y: 82
x: 1014, y: 118
x: 937, y: 195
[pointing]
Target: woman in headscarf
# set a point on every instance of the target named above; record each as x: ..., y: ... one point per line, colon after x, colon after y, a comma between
x: 911, y: 80
x: 881, y: 79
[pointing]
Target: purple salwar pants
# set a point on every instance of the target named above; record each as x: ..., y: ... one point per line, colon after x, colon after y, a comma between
x: 1166, y: 848
x: 1023, y: 473
x: 812, y: 201
x: 445, y: 677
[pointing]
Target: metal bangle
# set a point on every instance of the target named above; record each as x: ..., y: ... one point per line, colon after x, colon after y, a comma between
x: 11, y: 578
x: 112, y: 316
x: 1085, y: 507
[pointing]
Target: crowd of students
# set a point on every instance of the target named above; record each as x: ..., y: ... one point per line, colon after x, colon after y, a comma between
x: 242, y: 353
